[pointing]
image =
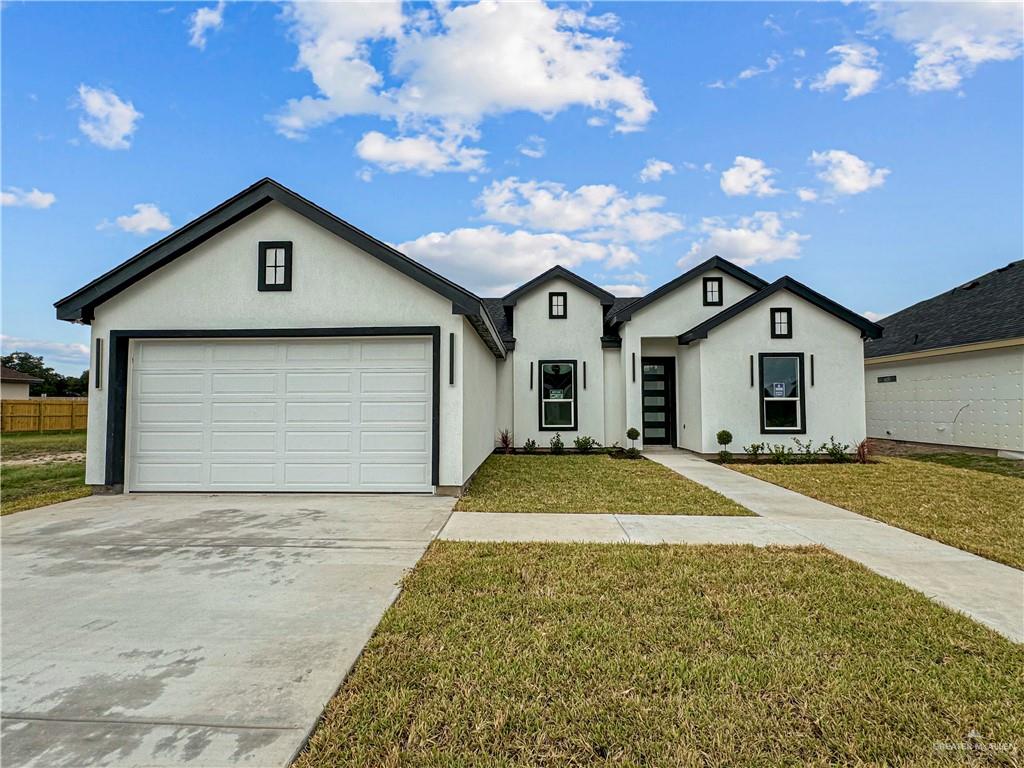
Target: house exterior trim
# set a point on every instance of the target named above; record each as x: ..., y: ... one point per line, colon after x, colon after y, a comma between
x: 939, y: 351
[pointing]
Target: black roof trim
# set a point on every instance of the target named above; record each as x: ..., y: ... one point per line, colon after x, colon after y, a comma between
x: 867, y: 328
x: 79, y: 305
x: 715, y: 262
x: 509, y: 300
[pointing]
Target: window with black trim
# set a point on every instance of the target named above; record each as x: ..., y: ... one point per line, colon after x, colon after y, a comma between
x: 712, y: 291
x: 782, y: 392
x: 557, y: 394
x: 557, y: 309
x: 782, y: 323
x: 275, y: 267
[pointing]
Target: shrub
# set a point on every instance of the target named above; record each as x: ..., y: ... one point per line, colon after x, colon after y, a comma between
x: 724, y: 456
x: 505, y: 441
x: 633, y: 434
x: 633, y: 453
x: 838, y: 452
x: 754, y: 450
x: 585, y: 443
x: 557, y: 446
x: 781, y: 454
x: 806, y: 453
x: 530, y: 446
x: 862, y: 451
x: 724, y: 437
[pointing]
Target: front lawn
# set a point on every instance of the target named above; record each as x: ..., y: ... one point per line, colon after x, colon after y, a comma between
x: 579, y: 654
x: 979, y: 512
x: 994, y: 464
x: 26, y: 445
x: 36, y: 485
x: 596, y: 483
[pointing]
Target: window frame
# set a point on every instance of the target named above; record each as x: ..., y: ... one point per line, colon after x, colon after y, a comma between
x: 540, y: 397
x: 801, y: 428
x: 264, y: 246
x: 788, y: 312
x: 717, y: 281
x: 551, y: 305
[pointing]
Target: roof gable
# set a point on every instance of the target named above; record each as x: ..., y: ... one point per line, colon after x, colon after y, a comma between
x: 624, y: 313
x: 17, y: 377
x: 606, y: 299
x: 79, y: 305
x: 867, y: 328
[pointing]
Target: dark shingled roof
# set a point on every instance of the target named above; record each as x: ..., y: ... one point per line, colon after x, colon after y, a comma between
x: 987, y: 308
x: 496, y: 309
x: 9, y: 374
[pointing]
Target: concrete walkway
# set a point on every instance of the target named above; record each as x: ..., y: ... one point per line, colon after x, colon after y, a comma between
x: 988, y: 592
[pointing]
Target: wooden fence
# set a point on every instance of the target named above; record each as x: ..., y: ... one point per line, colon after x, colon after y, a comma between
x: 44, y: 414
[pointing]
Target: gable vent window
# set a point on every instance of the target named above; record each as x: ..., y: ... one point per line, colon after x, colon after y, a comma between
x: 782, y: 323
x: 275, y: 268
x: 712, y: 291
x: 556, y: 305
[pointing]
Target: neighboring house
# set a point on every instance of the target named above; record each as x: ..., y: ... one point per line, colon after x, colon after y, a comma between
x: 950, y: 370
x: 14, y: 384
x: 270, y: 346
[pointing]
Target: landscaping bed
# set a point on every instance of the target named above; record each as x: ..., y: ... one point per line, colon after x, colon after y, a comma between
x: 593, y: 483
x: 978, y: 512
x: 573, y: 654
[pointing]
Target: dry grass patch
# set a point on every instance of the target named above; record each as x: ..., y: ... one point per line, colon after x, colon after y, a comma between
x: 980, y: 512
x: 36, y: 485
x: 581, y: 484
x: 587, y: 655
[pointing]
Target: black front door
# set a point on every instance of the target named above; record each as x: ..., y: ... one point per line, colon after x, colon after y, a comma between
x: 659, y: 400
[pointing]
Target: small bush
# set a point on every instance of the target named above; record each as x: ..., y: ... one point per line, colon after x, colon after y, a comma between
x: 838, y: 452
x: 557, y: 446
x: 585, y: 443
x: 724, y: 437
x: 806, y: 453
x: 724, y: 456
x: 505, y: 440
x: 862, y: 452
x: 530, y: 446
x: 633, y: 434
x: 633, y: 453
x: 754, y: 450
x: 781, y: 454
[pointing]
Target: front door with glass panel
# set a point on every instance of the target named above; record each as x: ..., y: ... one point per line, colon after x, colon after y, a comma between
x: 659, y: 402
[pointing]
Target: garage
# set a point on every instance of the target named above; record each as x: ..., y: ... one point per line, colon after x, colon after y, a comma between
x: 280, y: 414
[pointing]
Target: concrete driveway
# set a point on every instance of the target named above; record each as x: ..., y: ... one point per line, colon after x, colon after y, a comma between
x: 205, y: 630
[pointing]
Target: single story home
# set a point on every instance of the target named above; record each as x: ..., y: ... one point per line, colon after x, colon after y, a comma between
x: 14, y: 385
x: 270, y: 346
x: 950, y: 370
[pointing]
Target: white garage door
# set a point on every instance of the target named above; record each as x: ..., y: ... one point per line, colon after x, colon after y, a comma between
x: 281, y: 415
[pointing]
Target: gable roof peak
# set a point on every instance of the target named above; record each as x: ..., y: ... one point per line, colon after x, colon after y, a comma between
x: 558, y: 271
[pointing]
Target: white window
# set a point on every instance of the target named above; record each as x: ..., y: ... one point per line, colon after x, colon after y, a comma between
x: 712, y: 291
x: 275, y: 267
x: 557, y: 305
x: 782, y: 397
x: 782, y: 323
x: 558, y: 395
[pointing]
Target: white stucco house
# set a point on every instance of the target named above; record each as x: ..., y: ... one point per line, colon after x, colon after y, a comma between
x: 14, y: 385
x: 270, y: 346
x: 950, y: 370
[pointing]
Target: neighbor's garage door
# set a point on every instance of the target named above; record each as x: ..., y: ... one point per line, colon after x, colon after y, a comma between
x: 281, y: 415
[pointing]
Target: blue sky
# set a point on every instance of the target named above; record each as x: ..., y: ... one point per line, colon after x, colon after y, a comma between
x: 871, y: 151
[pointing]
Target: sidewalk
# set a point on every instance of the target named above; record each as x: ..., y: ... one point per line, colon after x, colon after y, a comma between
x: 988, y: 592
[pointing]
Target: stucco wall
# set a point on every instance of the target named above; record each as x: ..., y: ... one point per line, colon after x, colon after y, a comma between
x: 12, y: 390
x: 503, y: 412
x: 670, y: 316
x: 834, y: 404
x: 688, y: 435
x: 478, y: 391
x: 334, y: 284
x: 577, y: 337
x: 614, y: 405
x: 972, y: 399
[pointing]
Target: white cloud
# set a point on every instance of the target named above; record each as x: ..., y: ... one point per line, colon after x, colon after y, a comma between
x: 147, y: 218
x: 108, y: 121
x: 533, y: 147
x: 753, y: 240
x: 807, y: 195
x: 204, y: 20
x: 654, y: 169
x: 595, y: 211
x: 20, y: 198
x: 492, y: 262
x: 55, y: 353
x: 857, y: 70
x: 847, y: 174
x: 874, y: 317
x: 423, y: 154
x: 771, y: 24
x: 451, y: 66
x: 625, y: 289
x: 950, y: 40
x: 770, y: 65
x: 799, y: 53
x: 748, y: 176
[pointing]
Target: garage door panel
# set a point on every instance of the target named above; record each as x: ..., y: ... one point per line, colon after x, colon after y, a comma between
x: 281, y: 415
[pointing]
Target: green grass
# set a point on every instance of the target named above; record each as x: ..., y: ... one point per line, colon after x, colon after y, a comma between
x: 994, y: 464
x: 593, y: 655
x: 597, y: 483
x: 36, y: 485
x: 25, y: 445
x: 979, y: 512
